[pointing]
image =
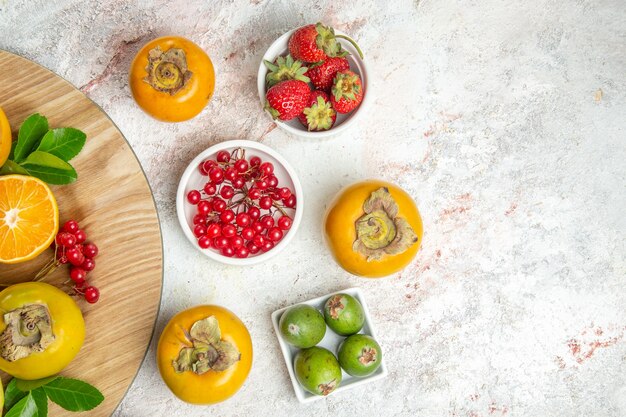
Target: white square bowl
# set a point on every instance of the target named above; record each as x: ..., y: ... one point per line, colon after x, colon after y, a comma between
x: 331, y: 342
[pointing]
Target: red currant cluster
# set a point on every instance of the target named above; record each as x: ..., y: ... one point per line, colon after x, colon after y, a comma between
x: 241, y: 210
x: 71, y: 248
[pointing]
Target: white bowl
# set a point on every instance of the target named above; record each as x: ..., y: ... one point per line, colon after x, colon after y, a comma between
x: 331, y: 341
x: 193, y: 180
x: 344, y: 121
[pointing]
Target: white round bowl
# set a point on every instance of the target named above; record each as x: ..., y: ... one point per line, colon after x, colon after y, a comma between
x: 344, y: 121
x: 193, y: 180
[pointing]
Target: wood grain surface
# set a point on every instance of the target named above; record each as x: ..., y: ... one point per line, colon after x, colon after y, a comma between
x: 113, y: 203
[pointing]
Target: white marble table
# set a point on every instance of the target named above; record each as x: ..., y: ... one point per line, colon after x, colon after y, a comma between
x: 488, y: 112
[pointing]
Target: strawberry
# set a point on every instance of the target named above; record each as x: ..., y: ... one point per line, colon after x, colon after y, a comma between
x: 347, y: 91
x: 322, y: 75
x: 287, y: 99
x: 285, y: 68
x: 315, y: 43
x: 319, y: 113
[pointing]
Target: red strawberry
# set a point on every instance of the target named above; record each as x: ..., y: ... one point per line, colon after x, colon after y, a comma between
x: 287, y: 99
x: 285, y: 68
x: 322, y: 76
x: 314, y: 43
x: 319, y: 113
x: 347, y: 91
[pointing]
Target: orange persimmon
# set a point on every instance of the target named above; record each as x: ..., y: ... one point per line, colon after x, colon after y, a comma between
x: 373, y: 229
x: 204, y: 354
x: 172, y: 79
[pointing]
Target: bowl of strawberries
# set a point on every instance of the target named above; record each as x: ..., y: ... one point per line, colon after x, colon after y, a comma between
x: 313, y: 81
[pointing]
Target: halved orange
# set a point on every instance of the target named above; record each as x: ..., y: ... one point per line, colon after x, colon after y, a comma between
x: 29, y: 218
x: 5, y: 138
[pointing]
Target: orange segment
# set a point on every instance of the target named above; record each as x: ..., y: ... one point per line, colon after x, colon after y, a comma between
x: 29, y: 218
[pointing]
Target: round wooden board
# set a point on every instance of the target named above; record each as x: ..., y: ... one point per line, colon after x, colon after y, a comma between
x: 113, y: 203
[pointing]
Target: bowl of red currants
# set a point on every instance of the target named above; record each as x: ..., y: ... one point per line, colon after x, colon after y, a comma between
x: 239, y: 202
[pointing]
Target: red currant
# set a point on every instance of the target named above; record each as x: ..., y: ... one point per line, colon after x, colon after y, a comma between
x: 284, y: 193
x: 243, y: 219
x: 236, y: 242
x: 254, y: 193
x: 274, y: 234
x: 227, y: 192
x: 66, y: 239
x: 204, y: 207
x: 267, y: 245
x: 92, y: 294
x: 274, y: 196
x: 71, y: 226
x: 210, y: 188
x: 199, y: 219
x: 223, y: 156
x: 230, y: 174
x: 257, y: 227
x: 193, y: 197
x: 254, y: 213
x: 261, y: 184
x: 77, y: 274
x: 219, y: 205
x: 90, y: 250
x: 272, y: 181
x: 285, y: 222
x: 89, y: 264
x: 259, y: 240
x: 255, y: 161
x: 214, y: 230
x: 204, y: 242
x: 220, y: 242
x: 247, y: 233
x: 208, y: 164
x: 199, y: 230
x: 75, y: 256
x: 202, y: 170
x: 252, y: 248
x: 228, y: 252
x: 80, y: 236
x: 242, y: 252
x: 265, y: 202
x: 241, y: 165
x: 290, y: 201
x: 267, y: 221
x: 267, y: 168
x: 238, y: 182
x: 229, y: 230
x: 227, y: 216
x: 216, y: 175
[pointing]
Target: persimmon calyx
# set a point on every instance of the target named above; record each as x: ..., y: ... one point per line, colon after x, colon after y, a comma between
x: 380, y: 231
x: 28, y: 331
x: 209, y: 352
x: 167, y: 71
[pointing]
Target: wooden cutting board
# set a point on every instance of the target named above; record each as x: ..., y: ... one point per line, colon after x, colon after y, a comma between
x: 113, y: 203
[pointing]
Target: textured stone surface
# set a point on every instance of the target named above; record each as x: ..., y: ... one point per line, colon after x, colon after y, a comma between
x: 488, y: 112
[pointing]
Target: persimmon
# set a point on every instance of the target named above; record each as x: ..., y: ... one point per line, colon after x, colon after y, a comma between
x: 5, y: 138
x: 204, y: 354
x: 172, y: 79
x: 373, y: 229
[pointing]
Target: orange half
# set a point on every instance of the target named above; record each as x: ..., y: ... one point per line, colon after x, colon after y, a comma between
x: 29, y: 218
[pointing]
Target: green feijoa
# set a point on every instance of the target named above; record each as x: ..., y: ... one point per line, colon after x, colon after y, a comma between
x: 360, y: 355
x: 302, y: 326
x: 317, y: 370
x: 344, y: 314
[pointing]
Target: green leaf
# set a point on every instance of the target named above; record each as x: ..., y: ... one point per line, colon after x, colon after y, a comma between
x: 29, y: 136
x: 65, y: 142
x: 12, y: 394
x: 11, y: 167
x: 26, y: 407
x: 41, y: 399
x: 73, y: 395
x: 49, y: 168
x: 24, y: 385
